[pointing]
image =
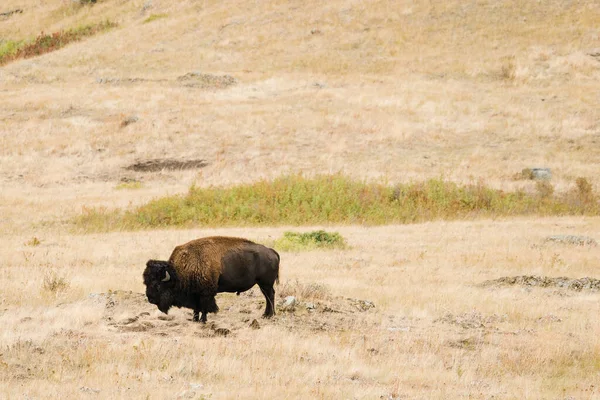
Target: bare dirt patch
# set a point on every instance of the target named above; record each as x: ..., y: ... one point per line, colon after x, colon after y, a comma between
x: 581, y: 284
x: 156, y: 165
x: 127, y: 311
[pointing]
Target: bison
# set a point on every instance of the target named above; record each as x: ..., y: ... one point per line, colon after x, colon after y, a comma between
x: 198, y: 270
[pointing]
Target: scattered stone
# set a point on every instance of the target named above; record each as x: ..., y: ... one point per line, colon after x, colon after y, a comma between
x: 86, y: 389
x: 289, y: 304
x: 129, y: 120
x: 128, y: 321
x: 590, y: 284
x: 310, y: 306
x: 254, y: 324
x: 315, y: 32
x: 540, y: 174
x: 207, y: 81
x: 221, y: 331
x: 168, y: 164
x: 572, y: 239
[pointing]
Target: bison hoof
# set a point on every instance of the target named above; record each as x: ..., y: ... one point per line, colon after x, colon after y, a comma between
x: 267, y: 315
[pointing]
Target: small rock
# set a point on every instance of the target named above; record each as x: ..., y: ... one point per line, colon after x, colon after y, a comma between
x: 129, y: 120
x: 220, y: 331
x: 196, y: 386
x: 310, y: 306
x: 254, y: 324
x: 86, y: 389
x: 289, y: 304
x: 540, y: 174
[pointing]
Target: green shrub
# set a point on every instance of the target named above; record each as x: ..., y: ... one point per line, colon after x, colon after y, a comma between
x: 310, y: 240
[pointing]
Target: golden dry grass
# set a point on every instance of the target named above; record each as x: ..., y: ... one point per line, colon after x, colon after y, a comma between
x: 377, y: 90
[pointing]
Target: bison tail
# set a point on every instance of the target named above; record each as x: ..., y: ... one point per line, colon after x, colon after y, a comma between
x: 278, y: 260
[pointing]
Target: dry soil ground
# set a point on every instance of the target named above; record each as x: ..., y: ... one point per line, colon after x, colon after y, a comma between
x: 394, y: 91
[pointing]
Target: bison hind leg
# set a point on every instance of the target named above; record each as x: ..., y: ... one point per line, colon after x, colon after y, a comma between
x: 269, y: 293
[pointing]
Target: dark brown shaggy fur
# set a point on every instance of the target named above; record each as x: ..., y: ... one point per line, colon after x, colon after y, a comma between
x: 201, y: 268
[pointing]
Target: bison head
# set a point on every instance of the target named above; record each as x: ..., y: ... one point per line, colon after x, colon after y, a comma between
x: 160, y: 278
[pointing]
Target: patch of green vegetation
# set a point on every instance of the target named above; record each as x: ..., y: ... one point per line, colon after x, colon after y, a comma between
x: 293, y: 241
x: 297, y: 200
x: 154, y: 17
x: 132, y: 185
x: 45, y: 43
x: 9, y: 48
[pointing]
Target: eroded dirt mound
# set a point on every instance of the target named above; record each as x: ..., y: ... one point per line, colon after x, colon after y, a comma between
x: 581, y: 284
x: 165, y: 164
x: 127, y: 311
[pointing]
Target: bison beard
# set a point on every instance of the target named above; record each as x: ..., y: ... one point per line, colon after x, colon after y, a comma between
x: 198, y: 270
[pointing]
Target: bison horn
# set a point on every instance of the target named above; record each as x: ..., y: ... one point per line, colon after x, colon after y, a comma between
x: 167, y: 277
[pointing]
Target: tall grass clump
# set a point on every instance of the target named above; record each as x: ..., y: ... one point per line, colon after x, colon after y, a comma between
x: 46, y: 43
x: 297, y: 200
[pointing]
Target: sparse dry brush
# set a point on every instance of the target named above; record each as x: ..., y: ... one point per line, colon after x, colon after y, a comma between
x: 298, y: 200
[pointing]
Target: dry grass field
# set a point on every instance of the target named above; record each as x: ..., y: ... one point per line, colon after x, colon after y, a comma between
x: 379, y: 91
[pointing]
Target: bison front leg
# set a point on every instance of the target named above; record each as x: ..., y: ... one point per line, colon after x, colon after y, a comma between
x: 206, y: 304
x: 269, y: 293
